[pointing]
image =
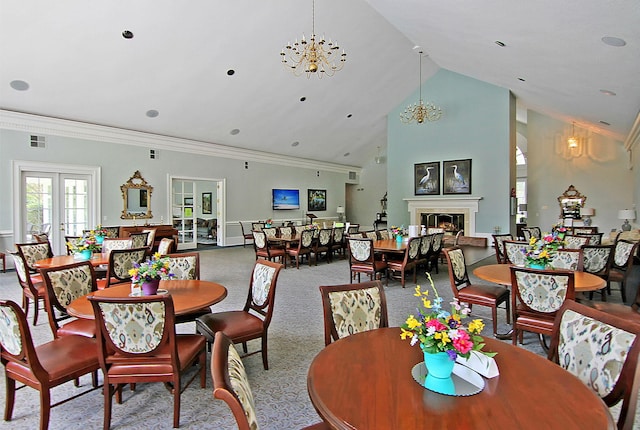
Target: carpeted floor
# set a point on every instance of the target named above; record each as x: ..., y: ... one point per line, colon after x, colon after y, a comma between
x: 295, y: 337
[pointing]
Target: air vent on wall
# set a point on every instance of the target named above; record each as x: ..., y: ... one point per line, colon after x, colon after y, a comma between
x: 152, y: 154
x: 352, y: 176
x: 37, y: 141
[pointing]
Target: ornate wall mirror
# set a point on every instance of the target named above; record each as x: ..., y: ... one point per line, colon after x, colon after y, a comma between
x: 571, y: 201
x: 136, y: 195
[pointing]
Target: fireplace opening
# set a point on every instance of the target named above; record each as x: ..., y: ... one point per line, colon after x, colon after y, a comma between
x: 450, y: 223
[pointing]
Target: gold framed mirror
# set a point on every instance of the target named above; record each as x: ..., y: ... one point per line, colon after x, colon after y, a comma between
x: 136, y: 196
x: 571, y: 201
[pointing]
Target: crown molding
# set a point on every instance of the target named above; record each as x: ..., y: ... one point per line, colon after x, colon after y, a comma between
x: 18, y: 121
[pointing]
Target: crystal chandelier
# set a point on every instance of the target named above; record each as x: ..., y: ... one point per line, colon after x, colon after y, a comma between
x: 315, y: 56
x: 419, y: 112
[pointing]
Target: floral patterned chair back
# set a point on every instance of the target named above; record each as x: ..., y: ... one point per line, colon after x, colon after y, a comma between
x: 271, y: 232
x: 526, y: 234
x: 602, y: 351
x: 353, y: 228
x: 338, y: 234
x: 139, y: 240
x: 373, y: 235
x: 260, y: 240
x: 257, y: 226
x: 425, y: 246
x: 535, y: 232
x: 165, y: 246
x: 184, y: 266
x: 109, y: 244
x: 384, y: 234
x: 568, y: 259
x: 597, y: 259
x: 578, y: 231
x: 230, y: 382
x: 542, y: 291
x: 151, y: 238
x: 11, y: 338
x: 286, y: 231
x: 514, y: 252
x: 112, y: 232
x: 623, y: 254
x: 32, y: 252
x: 361, y: 250
x: 575, y: 242
x: 498, y: 244
x: 594, y: 238
x: 353, y: 308
x: 121, y: 261
x: 460, y: 277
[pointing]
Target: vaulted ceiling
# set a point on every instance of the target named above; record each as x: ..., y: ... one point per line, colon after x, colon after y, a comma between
x: 78, y: 66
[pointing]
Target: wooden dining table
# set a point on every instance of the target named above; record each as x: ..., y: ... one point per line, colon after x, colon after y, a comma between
x: 373, y: 388
x: 97, y: 259
x: 501, y: 274
x: 188, y: 296
x: 389, y: 245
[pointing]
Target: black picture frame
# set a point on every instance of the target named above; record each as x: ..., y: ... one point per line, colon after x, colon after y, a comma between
x: 456, y: 176
x: 426, y: 178
x: 188, y: 201
x: 206, y: 203
x: 317, y: 200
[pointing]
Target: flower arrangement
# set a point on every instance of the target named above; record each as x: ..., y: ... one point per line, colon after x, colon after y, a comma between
x: 541, y: 251
x: 86, y: 243
x: 99, y: 231
x: 439, y: 330
x: 397, y: 230
x: 156, y: 267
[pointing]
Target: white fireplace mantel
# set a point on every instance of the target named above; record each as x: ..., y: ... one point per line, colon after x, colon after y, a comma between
x: 454, y: 204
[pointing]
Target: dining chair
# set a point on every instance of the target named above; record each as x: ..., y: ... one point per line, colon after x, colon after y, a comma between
x: 68, y: 240
x: 575, y: 242
x: 621, y: 264
x: 245, y: 236
x: 139, y: 240
x: 109, y: 244
x: 475, y: 294
x: 498, y: 245
x: 137, y: 342
x: 166, y: 246
x: 32, y: 252
x: 408, y: 262
x: 371, y: 234
x: 535, y: 232
x: 594, y: 238
x: 601, y: 350
x: 257, y: 226
x: 597, y: 261
x: 271, y: 232
x: 231, y: 384
x: 265, y: 250
x: 41, y: 367
x: 34, y: 291
x: 120, y: 262
x: 112, y: 232
x: 285, y: 231
x: 423, y: 257
x: 64, y: 284
x: 514, y: 252
x: 568, y: 259
x: 526, y: 234
x: 151, y: 237
x: 585, y: 231
x: 362, y: 260
x: 630, y: 313
x: 353, y: 308
x: 322, y: 245
x: 353, y: 228
x: 252, y: 322
x: 436, y: 249
x: 384, y: 234
x: 41, y: 238
x: 337, y: 242
x: 304, y: 247
x: 537, y: 295
x: 186, y: 266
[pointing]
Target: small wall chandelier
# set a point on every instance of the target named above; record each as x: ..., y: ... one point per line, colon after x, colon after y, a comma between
x: 572, y: 141
x: 419, y: 112
x: 315, y: 56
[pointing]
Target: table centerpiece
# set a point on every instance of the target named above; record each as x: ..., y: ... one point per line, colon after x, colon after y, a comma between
x: 147, y: 275
x: 100, y: 233
x: 83, y: 247
x: 540, y: 251
x: 398, y: 232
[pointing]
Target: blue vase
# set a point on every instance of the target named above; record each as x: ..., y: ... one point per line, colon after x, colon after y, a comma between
x: 399, y: 237
x: 440, y: 385
x: 539, y: 266
x: 439, y: 364
x: 83, y: 255
x: 99, y: 239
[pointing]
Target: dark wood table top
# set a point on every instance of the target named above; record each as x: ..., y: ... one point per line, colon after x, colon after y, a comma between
x: 372, y: 388
x: 389, y: 245
x: 188, y: 296
x: 501, y: 274
x: 63, y: 260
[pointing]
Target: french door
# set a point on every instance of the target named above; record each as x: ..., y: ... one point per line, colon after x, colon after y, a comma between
x: 55, y: 199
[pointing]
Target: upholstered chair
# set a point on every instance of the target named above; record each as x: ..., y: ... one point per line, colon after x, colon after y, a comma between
x: 120, y: 262
x: 361, y: 259
x: 475, y: 294
x: 166, y: 246
x: 271, y: 232
x: 408, y: 262
x: 109, y: 244
x: 498, y: 244
x: 112, y: 232
x: 286, y: 231
x: 624, y: 252
x: 246, y: 236
x: 602, y: 351
x: 371, y: 234
x: 252, y: 322
x: 594, y: 238
x: 535, y: 232
x: 384, y: 234
x: 537, y: 295
x: 265, y: 250
x: 137, y: 342
x: 425, y: 246
x: 436, y: 248
x: 526, y: 234
x: 151, y: 237
x: 353, y: 228
x: 41, y: 367
x: 353, y: 308
x: 514, y: 252
x: 186, y: 266
x: 568, y: 259
x: 139, y: 240
x: 304, y: 247
x: 337, y: 241
x: 257, y: 226
x: 575, y: 242
x: 32, y: 252
x: 34, y: 291
x: 585, y: 230
x: 64, y: 284
x: 323, y: 244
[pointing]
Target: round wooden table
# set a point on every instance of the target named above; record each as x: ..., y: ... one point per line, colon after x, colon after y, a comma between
x: 188, y: 296
x: 63, y: 260
x: 501, y: 274
x: 364, y: 381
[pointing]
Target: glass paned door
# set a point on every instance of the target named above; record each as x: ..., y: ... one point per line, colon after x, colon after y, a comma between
x: 76, y: 206
x: 39, y: 205
x: 184, y: 214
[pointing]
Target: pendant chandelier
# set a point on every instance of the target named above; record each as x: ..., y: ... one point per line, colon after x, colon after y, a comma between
x: 419, y: 112
x: 313, y: 56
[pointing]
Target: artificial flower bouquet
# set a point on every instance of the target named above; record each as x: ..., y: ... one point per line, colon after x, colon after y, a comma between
x: 156, y: 267
x: 86, y: 243
x: 541, y: 251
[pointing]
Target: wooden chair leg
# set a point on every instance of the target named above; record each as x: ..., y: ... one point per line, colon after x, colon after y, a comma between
x: 45, y: 408
x: 176, y: 403
x: 10, y: 385
x: 265, y: 359
x: 107, y: 392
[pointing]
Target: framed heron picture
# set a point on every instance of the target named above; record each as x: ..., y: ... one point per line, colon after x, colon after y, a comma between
x: 456, y: 176
x: 426, y: 178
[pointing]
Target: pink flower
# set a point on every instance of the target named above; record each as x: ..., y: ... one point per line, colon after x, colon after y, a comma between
x: 437, y: 325
x: 463, y: 345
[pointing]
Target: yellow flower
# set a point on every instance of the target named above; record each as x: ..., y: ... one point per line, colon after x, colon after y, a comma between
x: 412, y: 322
x: 426, y: 303
x: 406, y: 334
x: 443, y: 336
x: 532, y: 241
x: 417, y: 293
x: 476, y: 326
x: 544, y: 254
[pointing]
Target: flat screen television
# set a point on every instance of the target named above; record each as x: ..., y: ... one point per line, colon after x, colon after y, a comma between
x: 285, y: 199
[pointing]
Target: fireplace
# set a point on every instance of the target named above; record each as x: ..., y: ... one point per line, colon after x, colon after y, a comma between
x: 457, y: 213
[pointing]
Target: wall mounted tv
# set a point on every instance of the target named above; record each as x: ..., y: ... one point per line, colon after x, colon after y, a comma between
x: 285, y: 199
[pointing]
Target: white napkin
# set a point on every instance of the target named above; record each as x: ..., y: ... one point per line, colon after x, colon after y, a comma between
x: 484, y: 365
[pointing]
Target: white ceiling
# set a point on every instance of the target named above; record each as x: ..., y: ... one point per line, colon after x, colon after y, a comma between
x: 79, y: 67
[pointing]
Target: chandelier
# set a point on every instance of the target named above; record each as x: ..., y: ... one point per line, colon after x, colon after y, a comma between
x: 421, y: 111
x: 313, y: 56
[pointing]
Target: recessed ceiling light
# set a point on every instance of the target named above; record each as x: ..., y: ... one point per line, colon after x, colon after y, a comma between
x: 350, y: 115
x: 608, y: 92
x: 613, y: 41
x: 604, y: 122
x: 521, y: 79
x: 346, y: 154
x: 230, y: 72
x: 152, y: 113
x: 234, y: 131
x: 500, y: 44
x: 302, y: 99
x: 127, y: 34
x: 296, y: 143
x: 19, y: 85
